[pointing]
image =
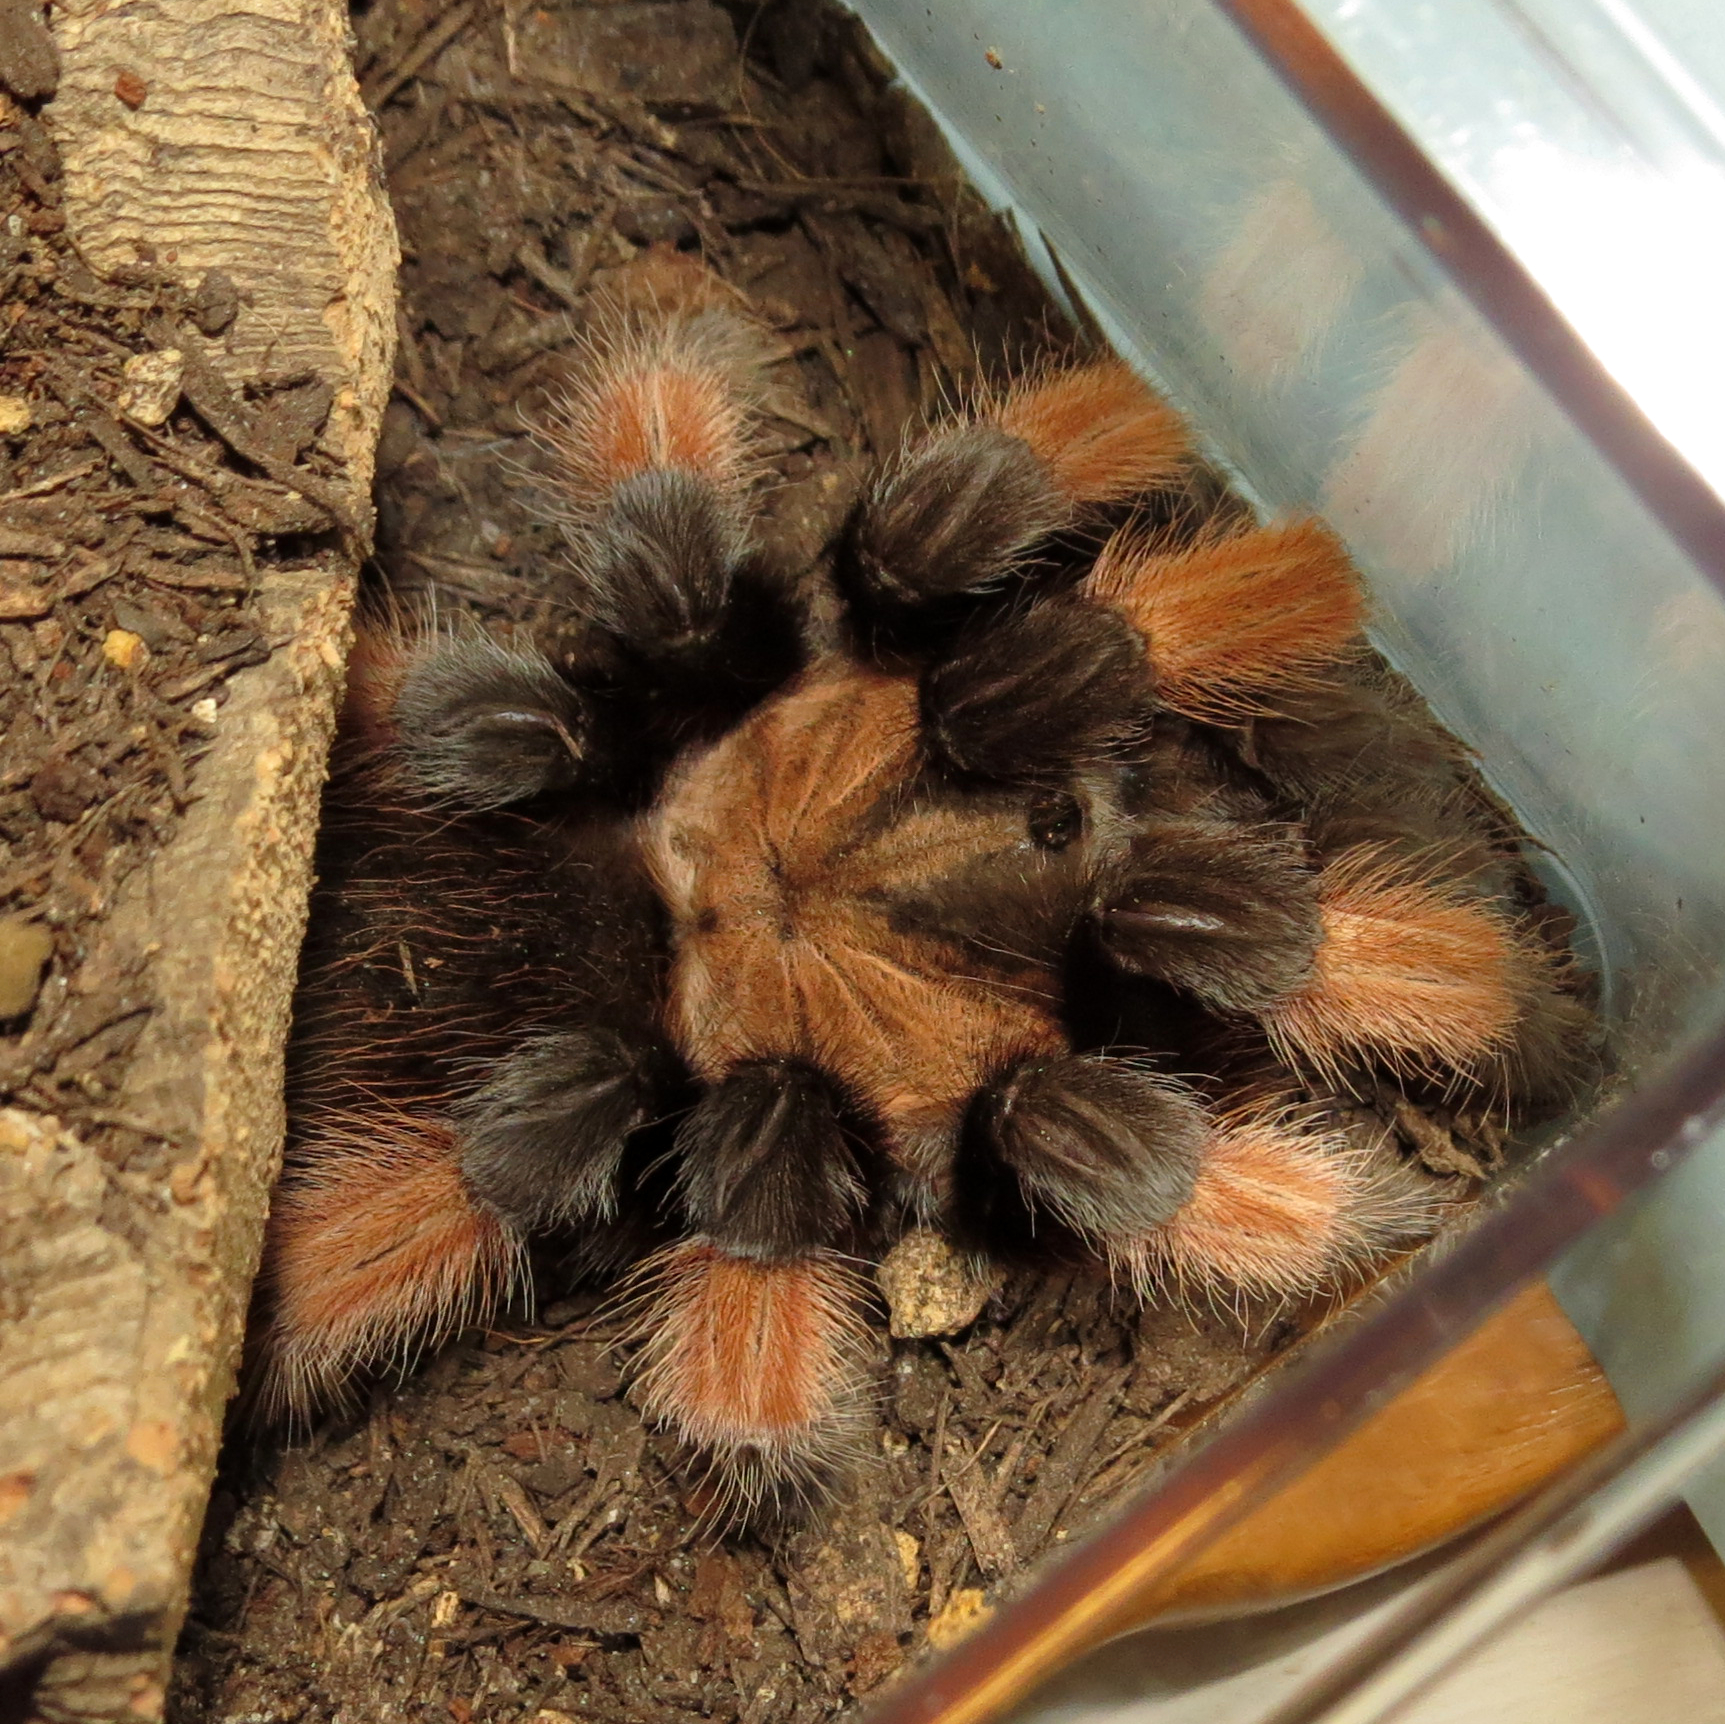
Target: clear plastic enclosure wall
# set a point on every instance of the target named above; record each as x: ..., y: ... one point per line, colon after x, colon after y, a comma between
x: 1236, y: 253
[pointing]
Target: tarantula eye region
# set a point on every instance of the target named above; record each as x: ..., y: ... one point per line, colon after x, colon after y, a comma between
x: 1055, y: 821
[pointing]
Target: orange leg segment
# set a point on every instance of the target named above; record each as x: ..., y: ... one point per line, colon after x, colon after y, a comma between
x: 1232, y: 621
x: 374, y: 1249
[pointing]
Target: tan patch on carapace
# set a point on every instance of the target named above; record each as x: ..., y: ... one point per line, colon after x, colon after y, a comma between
x: 776, y: 851
x: 1102, y: 432
x: 1231, y: 621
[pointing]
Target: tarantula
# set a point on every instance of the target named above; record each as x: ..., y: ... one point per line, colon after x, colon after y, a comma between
x: 1026, y: 900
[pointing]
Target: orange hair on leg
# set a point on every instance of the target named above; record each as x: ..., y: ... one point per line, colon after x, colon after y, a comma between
x: 1407, y: 972
x: 680, y: 395
x: 1103, y: 433
x: 1278, y: 1210
x: 759, y: 1364
x: 376, y: 664
x: 374, y: 1248
x: 1230, y: 621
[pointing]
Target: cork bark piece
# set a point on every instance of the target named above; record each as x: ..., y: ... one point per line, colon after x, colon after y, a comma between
x: 223, y: 146
x: 120, y: 1323
x: 227, y: 143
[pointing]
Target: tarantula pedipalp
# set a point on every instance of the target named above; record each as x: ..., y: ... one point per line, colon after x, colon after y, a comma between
x: 729, y: 949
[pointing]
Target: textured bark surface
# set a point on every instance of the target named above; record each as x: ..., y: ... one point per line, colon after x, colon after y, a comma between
x: 205, y: 135
x: 120, y: 1321
x: 226, y: 145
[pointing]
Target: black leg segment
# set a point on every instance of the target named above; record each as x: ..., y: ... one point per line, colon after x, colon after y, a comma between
x: 1228, y: 914
x: 659, y: 562
x: 954, y: 516
x: 769, y: 1168
x: 1108, y: 1147
x: 1040, y: 694
x: 486, y: 725
x: 544, y: 1136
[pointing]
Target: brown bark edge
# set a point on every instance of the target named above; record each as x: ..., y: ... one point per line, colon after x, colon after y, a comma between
x: 121, y: 1313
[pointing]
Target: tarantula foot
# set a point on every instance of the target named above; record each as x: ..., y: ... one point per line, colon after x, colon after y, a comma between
x: 760, y: 1366
x: 1107, y: 1147
x: 767, y: 1164
x: 487, y: 725
x: 544, y: 1135
x: 1230, y: 917
x: 1040, y: 695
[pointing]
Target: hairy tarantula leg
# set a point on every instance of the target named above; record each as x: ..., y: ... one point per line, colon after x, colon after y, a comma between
x: 755, y: 1345
x: 656, y: 450
x: 486, y: 725
x: 1232, y: 621
x: 375, y: 1247
x: 1100, y: 430
x: 1107, y: 1147
x: 544, y: 1135
x: 762, y: 1365
x: 1277, y: 1209
x: 768, y: 1169
x: 1230, y: 915
x: 954, y: 515
x: 1409, y: 973
x: 1039, y: 695
x: 961, y: 508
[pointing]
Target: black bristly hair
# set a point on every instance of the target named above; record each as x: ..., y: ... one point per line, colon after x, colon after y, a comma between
x: 545, y: 1134
x: 769, y: 1167
x: 955, y: 515
x: 660, y: 563
x: 1108, y: 1147
x: 486, y: 725
x: 1230, y: 915
x: 1039, y: 693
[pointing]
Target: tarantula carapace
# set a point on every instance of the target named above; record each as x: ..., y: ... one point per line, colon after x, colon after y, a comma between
x: 1033, y: 896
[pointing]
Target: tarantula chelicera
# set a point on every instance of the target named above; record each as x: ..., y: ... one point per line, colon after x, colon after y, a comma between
x: 1032, y: 893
